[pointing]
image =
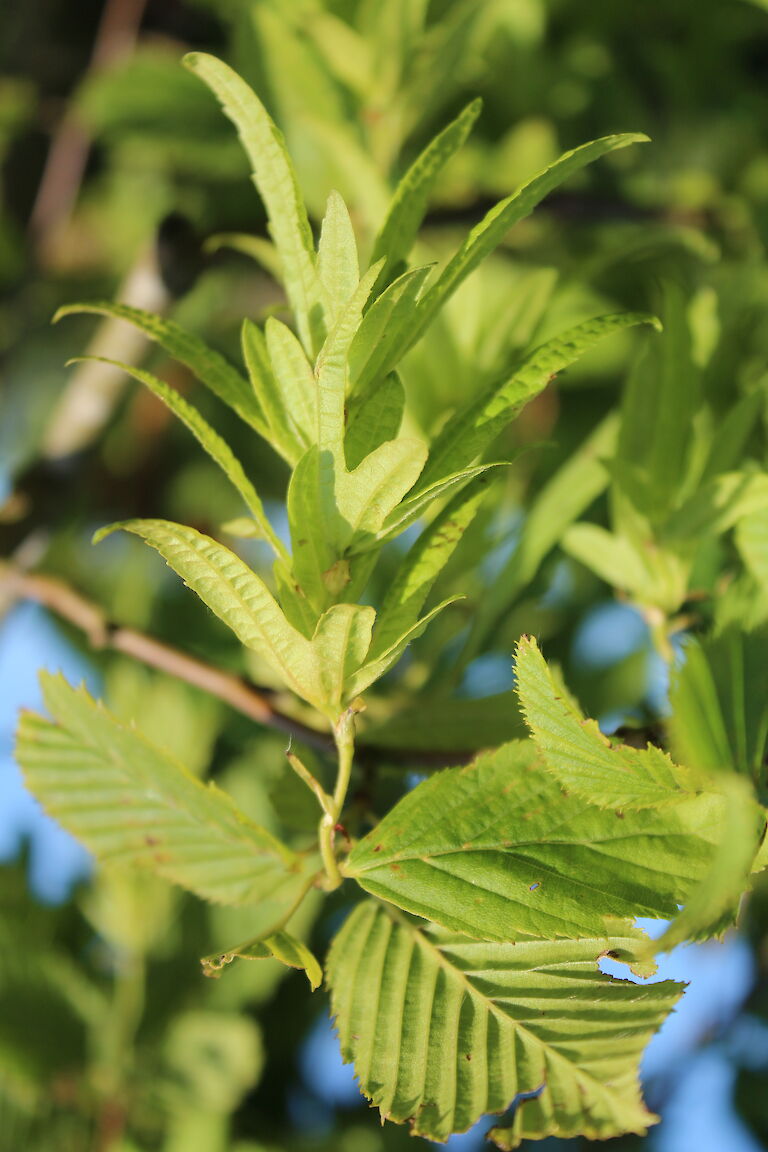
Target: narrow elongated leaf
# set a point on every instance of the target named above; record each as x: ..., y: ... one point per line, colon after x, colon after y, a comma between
x: 474, y: 428
x: 443, y: 1030
x: 337, y: 262
x: 207, y: 366
x: 280, y: 946
x: 385, y: 658
x: 276, y: 181
x: 375, y: 419
x: 498, y: 851
x: 295, y: 379
x: 494, y: 226
x: 332, y: 367
x: 580, y: 757
x: 236, y: 595
x: 718, y: 506
x: 718, y: 718
x: 424, y: 562
x: 282, y: 431
x: 752, y: 542
x: 130, y: 803
x: 378, y: 345
x: 217, y: 449
x: 409, y: 511
x: 409, y: 203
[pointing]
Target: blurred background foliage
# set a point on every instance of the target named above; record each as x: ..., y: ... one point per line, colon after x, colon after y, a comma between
x: 120, y: 178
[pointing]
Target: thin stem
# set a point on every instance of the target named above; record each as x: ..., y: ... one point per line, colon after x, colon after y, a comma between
x: 344, y: 737
x: 324, y: 800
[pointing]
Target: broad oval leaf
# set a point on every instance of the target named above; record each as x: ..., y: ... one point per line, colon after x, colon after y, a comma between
x: 498, y: 851
x: 130, y: 803
x: 443, y: 1030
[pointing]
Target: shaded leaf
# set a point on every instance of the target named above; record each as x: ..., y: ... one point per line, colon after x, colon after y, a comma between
x: 280, y: 946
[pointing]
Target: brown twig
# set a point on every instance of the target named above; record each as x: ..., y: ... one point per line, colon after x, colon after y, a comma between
x: 89, y: 619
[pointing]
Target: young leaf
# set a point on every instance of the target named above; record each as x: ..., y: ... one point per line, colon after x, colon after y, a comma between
x: 422, y: 565
x: 375, y: 418
x: 341, y: 641
x: 475, y: 427
x: 442, y: 1030
x: 217, y: 449
x: 377, y: 345
x: 130, y: 803
x: 207, y: 366
x: 235, y: 594
x: 295, y: 380
x: 498, y: 851
x: 337, y: 262
x: 282, y: 431
x: 752, y: 542
x: 411, y: 197
x: 384, y: 658
x: 492, y: 229
x: 276, y: 181
x: 581, y: 758
x: 280, y: 946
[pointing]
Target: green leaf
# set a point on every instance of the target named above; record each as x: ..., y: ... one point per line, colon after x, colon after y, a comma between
x: 424, y: 562
x: 207, y: 366
x: 717, y: 506
x: 475, y: 427
x: 332, y: 367
x: 713, y: 905
x: 378, y: 345
x: 382, y: 658
x: 410, y: 509
x: 752, y: 542
x: 130, y: 803
x: 295, y: 380
x: 445, y: 724
x: 492, y: 229
x: 217, y: 449
x: 497, y: 850
x: 280, y: 946
x: 443, y: 1030
x: 235, y: 594
x: 276, y: 181
x: 337, y: 261
x: 613, y: 558
x: 580, y: 757
x: 409, y: 203
x: 282, y: 431
x: 375, y: 419
x: 718, y: 721
x: 341, y: 640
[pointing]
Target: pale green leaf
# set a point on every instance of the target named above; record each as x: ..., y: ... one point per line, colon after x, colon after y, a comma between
x: 718, y: 505
x: 262, y: 251
x: 210, y: 368
x: 341, y: 641
x: 580, y: 757
x: 295, y: 380
x: 378, y: 346
x: 130, y: 803
x: 217, y: 449
x: 733, y: 431
x: 443, y: 1030
x: 282, y: 431
x: 613, y: 558
x: 275, y: 179
x: 497, y: 850
x: 475, y: 427
x: 382, y: 658
x: 494, y: 226
x: 424, y: 562
x: 337, y: 261
x: 409, y: 203
x: 281, y: 945
x: 375, y: 418
x: 332, y: 367
x: 235, y: 594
